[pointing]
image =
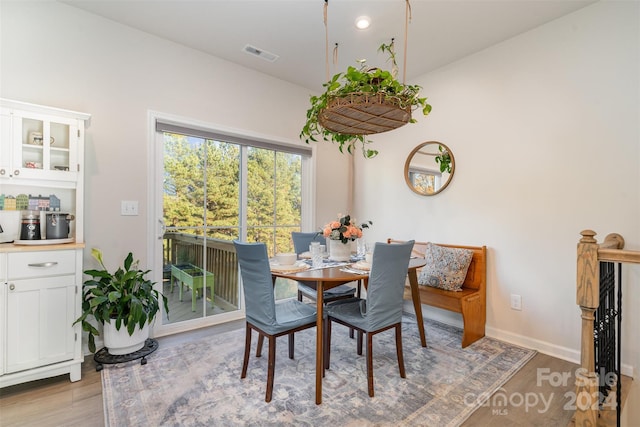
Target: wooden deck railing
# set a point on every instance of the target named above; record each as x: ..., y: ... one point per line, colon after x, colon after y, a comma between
x: 590, y: 255
x: 220, y: 260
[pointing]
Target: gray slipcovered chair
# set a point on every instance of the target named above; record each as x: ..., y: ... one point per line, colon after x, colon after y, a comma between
x: 263, y: 314
x: 301, y: 242
x: 382, y: 309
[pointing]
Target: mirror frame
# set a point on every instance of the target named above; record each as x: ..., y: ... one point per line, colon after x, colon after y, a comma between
x: 408, y: 163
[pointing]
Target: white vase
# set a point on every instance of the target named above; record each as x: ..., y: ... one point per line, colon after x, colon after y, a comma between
x: 119, y: 342
x: 339, y: 251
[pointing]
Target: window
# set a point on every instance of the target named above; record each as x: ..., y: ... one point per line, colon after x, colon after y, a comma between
x: 217, y: 188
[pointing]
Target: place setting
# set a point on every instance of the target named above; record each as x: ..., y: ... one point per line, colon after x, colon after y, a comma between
x: 361, y: 266
x: 287, y: 263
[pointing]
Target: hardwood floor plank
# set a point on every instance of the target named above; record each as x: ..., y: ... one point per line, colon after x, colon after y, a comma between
x: 58, y: 402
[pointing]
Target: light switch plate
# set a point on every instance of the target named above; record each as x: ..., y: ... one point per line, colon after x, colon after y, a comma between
x: 129, y: 207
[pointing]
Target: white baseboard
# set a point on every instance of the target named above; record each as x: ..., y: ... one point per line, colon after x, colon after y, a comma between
x: 554, y: 350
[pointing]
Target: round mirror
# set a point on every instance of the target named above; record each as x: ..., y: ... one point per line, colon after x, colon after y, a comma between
x: 429, y: 168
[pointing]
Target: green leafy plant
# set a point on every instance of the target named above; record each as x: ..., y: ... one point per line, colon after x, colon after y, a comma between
x: 363, y: 80
x: 444, y: 159
x: 125, y: 297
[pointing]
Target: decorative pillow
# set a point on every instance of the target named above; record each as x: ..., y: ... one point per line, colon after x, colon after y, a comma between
x: 446, y: 268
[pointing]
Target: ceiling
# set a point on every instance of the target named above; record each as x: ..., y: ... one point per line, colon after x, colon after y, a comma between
x: 439, y: 32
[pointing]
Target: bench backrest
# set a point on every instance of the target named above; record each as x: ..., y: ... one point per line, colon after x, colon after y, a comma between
x: 476, y: 274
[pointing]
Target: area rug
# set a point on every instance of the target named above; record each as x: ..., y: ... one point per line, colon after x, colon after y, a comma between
x: 198, y: 383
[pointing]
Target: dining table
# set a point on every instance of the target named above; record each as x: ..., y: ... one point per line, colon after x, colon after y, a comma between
x: 335, y: 274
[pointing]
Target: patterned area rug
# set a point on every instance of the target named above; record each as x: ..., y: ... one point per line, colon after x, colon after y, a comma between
x: 198, y: 384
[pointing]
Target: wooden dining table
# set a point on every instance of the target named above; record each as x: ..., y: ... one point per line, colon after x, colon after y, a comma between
x: 330, y: 277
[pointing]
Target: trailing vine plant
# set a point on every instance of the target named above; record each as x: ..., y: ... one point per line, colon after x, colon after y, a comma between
x: 362, y: 80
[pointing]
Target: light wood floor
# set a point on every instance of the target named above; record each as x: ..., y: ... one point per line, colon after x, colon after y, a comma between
x: 58, y: 402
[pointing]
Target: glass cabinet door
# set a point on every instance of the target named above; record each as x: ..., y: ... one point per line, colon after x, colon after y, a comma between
x: 45, y: 147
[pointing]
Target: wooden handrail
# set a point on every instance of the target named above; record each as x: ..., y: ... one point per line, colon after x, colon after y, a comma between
x: 589, y: 255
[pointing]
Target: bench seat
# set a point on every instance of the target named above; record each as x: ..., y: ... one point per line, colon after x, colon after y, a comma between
x: 471, y: 301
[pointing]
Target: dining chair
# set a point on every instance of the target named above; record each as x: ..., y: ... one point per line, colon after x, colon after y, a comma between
x: 268, y: 318
x: 382, y: 308
x: 301, y: 242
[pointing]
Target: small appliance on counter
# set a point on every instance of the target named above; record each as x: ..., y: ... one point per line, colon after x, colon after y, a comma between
x: 30, y: 226
x: 57, y: 225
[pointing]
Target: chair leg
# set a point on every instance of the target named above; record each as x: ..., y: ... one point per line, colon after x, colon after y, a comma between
x: 271, y: 367
x: 399, y: 350
x: 370, y: 363
x: 291, y: 344
x: 247, y: 350
x: 327, y: 343
x: 259, y: 346
x: 359, y: 343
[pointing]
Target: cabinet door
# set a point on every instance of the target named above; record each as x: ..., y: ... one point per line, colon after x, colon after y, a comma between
x: 40, y: 314
x: 3, y: 304
x: 5, y: 144
x: 45, y: 146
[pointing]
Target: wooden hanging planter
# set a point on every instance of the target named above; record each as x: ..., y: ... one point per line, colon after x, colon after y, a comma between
x: 364, y: 114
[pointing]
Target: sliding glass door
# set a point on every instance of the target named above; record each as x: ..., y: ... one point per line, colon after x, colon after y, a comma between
x: 215, y: 189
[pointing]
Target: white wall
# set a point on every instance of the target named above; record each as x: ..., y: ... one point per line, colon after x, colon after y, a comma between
x: 56, y: 55
x: 545, y: 132
x: 544, y: 129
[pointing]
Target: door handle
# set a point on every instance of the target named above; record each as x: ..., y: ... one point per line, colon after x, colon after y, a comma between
x: 162, y: 229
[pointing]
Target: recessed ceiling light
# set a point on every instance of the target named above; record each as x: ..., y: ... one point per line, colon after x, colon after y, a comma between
x: 363, y: 22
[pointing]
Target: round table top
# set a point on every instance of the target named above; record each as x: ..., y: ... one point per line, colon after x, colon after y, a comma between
x: 335, y: 274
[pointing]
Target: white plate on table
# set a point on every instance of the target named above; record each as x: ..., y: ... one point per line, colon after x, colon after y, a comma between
x: 361, y: 265
x: 293, y: 268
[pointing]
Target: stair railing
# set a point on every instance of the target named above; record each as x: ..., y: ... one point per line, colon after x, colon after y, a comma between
x: 595, y: 287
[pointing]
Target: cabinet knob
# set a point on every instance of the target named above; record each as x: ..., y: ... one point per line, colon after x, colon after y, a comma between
x: 16, y: 172
x: 2, y: 172
x: 12, y: 287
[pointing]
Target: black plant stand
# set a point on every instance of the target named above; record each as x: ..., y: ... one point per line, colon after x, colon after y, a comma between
x: 102, y: 356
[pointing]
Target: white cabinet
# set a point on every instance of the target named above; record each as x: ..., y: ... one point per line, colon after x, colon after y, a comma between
x: 41, y: 297
x: 41, y: 154
x: 41, y: 143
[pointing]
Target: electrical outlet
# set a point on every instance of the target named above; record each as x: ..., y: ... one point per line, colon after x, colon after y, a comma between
x: 516, y: 302
x: 129, y: 207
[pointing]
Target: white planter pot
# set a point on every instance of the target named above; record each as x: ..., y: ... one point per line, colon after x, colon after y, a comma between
x: 339, y: 251
x: 120, y: 342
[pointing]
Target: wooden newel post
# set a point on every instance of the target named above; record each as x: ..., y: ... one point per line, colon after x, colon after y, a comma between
x: 588, y: 298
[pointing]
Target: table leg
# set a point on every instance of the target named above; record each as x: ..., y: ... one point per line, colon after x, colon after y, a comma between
x: 319, y: 341
x: 417, y: 305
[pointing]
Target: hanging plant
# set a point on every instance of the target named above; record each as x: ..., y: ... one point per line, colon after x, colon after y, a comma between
x: 360, y: 102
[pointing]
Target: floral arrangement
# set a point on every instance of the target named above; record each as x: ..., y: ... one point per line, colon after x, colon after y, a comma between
x: 344, y: 229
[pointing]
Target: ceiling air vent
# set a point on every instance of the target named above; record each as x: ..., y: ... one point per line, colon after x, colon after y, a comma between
x: 262, y: 54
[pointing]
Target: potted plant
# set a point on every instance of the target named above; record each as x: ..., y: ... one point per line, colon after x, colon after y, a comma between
x: 124, y: 302
x: 369, y: 87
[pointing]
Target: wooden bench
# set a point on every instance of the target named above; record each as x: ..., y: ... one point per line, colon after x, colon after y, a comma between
x: 471, y: 301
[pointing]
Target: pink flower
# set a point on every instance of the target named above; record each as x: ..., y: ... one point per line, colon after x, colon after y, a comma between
x: 350, y: 231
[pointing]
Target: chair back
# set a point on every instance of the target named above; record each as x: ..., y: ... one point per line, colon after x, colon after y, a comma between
x: 302, y: 240
x: 257, y: 284
x: 386, y: 284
